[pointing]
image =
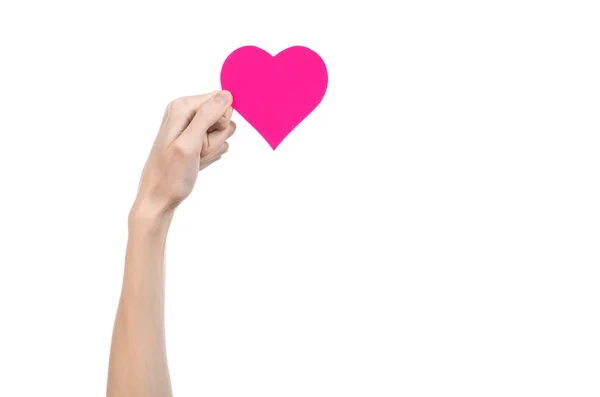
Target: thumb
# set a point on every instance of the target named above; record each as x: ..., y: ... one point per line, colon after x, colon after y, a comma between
x: 208, y: 114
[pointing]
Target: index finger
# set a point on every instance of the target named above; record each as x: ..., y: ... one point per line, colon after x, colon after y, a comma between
x: 206, y: 116
x: 180, y: 112
x: 223, y: 121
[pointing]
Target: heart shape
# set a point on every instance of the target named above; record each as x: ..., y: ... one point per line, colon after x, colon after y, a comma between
x: 274, y: 93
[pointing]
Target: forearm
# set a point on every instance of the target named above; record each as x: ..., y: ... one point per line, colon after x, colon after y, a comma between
x: 138, y: 361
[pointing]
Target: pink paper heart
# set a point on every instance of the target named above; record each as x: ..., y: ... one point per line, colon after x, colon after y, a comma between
x: 274, y: 94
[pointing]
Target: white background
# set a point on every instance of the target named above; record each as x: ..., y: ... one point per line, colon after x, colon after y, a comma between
x: 432, y: 229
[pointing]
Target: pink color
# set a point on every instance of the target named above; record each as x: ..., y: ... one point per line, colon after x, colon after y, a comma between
x: 274, y: 94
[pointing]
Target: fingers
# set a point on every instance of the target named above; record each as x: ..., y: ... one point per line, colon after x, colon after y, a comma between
x: 214, y: 156
x: 216, y: 139
x: 223, y: 121
x: 180, y: 112
x: 218, y: 152
x: 206, y: 116
x: 204, y: 165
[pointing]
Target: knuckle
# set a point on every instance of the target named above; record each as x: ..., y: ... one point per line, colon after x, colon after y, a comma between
x: 178, y: 106
x: 183, y: 150
x: 220, y: 124
x: 223, y: 125
x: 206, y: 149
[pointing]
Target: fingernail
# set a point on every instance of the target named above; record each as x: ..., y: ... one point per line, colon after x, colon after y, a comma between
x: 223, y: 97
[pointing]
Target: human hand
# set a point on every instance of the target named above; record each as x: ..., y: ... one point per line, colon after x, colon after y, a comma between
x: 192, y: 136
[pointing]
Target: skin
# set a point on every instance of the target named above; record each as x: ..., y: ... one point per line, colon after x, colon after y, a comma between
x: 193, y: 135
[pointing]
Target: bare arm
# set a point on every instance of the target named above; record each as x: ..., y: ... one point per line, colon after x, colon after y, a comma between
x: 192, y: 136
x: 138, y: 363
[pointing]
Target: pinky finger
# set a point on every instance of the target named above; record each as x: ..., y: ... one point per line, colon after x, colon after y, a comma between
x: 204, y: 165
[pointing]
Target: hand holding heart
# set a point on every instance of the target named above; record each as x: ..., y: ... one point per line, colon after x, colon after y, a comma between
x: 192, y: 136
x: 274, y: 94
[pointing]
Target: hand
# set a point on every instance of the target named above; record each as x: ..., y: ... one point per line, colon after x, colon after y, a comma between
x: 193, y: 135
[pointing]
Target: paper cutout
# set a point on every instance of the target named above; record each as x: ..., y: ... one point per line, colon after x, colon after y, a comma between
x: 274, y: 94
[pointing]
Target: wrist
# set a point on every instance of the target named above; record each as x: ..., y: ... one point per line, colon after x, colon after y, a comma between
x: 146, y: 216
